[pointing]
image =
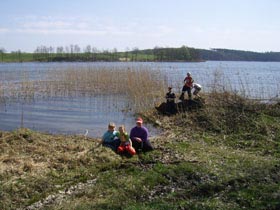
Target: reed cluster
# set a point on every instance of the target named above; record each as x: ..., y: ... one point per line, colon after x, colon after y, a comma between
x: 140, y: 87
x: 127, y: 88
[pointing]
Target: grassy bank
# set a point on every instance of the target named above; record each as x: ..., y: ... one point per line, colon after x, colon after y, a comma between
x: 223, y: 156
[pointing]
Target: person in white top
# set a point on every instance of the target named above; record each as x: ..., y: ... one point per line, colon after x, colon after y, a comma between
x: 197, y: 88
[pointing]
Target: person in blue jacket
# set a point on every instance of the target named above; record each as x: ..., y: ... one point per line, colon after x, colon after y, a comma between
x: 110, y: 139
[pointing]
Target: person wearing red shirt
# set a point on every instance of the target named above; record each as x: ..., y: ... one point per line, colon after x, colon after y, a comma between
x: 187, y: 86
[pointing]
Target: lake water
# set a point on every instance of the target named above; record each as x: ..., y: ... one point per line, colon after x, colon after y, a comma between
x: 74, y: 115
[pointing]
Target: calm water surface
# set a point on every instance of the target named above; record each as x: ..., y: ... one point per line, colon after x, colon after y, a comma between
x: 76, y: 114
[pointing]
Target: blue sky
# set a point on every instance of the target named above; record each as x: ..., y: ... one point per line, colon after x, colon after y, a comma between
x: 125, y: 24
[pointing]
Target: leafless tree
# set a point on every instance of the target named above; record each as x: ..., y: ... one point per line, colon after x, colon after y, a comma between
x: 135, y: 52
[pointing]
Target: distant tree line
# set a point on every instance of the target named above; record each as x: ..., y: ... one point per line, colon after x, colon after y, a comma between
x: 183, y: 53
x: 74, y: 53
x: 238, y: 55
x: 157, y: 54
x: 89, y: 53
x: 14, y: 56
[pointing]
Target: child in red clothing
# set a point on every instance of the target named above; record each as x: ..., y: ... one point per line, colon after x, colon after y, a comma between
x: 188, y: 85
x: 126, y: 144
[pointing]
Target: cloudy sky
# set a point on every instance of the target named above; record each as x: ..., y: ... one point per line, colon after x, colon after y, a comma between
x: 124, y: 24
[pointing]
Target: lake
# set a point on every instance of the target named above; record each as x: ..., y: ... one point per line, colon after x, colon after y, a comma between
x: 76, y: 114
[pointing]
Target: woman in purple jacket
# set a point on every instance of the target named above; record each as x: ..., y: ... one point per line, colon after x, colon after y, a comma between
x: 139, y: 137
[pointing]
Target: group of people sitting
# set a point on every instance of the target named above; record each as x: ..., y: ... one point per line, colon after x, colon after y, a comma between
x: 137, y: 141
x: 122, y: 143
x: 188, y: 86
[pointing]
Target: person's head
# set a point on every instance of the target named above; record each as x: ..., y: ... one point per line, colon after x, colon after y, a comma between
x: 122, y: 129
x: 111, y: 126
x: 188, y: 74
x: 139, y: 122
x: 169, y: 89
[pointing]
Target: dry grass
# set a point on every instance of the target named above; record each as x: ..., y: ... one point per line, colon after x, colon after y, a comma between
x: 33, y: 164
x: 26, y: 151
x: 141, y: 86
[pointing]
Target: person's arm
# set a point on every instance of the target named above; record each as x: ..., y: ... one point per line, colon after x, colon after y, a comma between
x: 145, y: 135
x: 167, y: 96
x: 118, y: 135
x: 126, y: 137
x: 107, y: 137
x: 134, y: 135
x: 103, y: 137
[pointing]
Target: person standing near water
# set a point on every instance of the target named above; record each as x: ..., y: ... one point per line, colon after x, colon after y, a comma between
x: 187, y: 86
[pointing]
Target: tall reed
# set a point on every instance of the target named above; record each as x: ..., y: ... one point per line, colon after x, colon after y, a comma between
x: 138, y: 88
x: 127, y: 88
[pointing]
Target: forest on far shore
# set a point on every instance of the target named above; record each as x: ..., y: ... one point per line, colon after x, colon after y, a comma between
x: 157, y: 54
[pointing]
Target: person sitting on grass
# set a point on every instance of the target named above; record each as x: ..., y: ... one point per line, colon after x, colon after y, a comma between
x: 170, y: 101
x: 139, y: 137
x: 110, y: 139
x: 126, y: 144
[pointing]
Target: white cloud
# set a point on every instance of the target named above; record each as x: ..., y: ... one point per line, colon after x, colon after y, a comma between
x: 72, y: 25
x: 77, y: 31
x: 95, y: 26
x: 60, y: 31
x: 46, y: 25
x: 4, y: 30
